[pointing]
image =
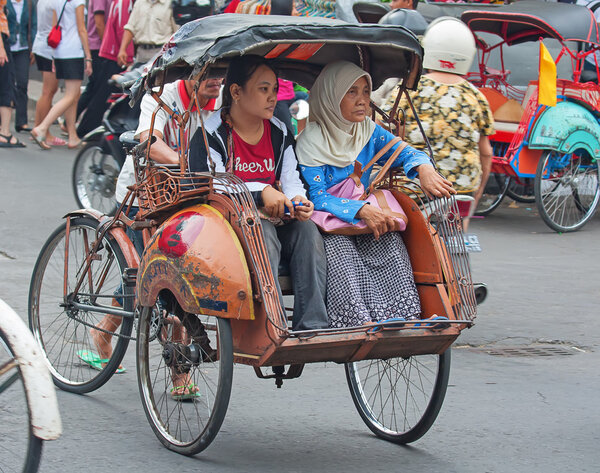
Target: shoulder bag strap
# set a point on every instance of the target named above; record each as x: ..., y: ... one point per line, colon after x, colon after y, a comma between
x: 386, y: 167
x: 381, y: 152
x: 61, y: 12
x: 359, y: 170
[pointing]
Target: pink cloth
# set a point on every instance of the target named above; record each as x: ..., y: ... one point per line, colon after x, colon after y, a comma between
x: 96, y: 6
x: 286, y: 90
x: 117, y: 18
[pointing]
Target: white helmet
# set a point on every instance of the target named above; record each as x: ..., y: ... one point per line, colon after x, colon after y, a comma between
x: 449, y: 46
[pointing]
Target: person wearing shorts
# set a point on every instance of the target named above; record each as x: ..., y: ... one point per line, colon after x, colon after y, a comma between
x: 43, y: 60
x: 7, y: 92
x: 71, y: 56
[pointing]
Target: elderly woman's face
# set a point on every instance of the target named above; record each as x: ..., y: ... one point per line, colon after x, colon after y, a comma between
x: 355, y: 104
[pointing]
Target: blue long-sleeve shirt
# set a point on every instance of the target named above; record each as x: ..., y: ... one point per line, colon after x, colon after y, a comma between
x: 321, y: 178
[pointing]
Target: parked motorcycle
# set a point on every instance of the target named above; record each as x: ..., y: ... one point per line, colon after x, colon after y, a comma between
x: 98, y: 164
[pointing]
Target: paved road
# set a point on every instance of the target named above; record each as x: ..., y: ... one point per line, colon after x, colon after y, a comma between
x: 501, y: 414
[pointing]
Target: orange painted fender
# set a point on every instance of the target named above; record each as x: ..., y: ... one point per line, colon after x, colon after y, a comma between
x: 197, y: 256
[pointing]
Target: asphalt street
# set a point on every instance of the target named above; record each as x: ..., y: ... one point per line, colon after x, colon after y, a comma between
x: 524, y: 413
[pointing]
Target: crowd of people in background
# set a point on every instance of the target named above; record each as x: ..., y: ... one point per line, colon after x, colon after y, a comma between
x: 97, y: 40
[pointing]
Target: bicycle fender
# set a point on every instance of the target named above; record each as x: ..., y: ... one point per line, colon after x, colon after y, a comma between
x: 197, y: 256
x: 566, y: 127
x: 39, y: 388
x: 117, y: 232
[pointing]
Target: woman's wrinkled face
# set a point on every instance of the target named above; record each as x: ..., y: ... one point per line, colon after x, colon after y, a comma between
x: 259, y: 96
x: 355, y: 104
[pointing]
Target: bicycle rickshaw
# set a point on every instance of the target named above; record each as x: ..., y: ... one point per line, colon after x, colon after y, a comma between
x: 542, y: 153
x: 204, y: 271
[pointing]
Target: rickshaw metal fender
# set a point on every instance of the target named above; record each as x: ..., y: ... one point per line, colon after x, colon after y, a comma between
x: 566, y: 127
x: 117, y: 232
x: 197, y: 256
x: 39, y: 388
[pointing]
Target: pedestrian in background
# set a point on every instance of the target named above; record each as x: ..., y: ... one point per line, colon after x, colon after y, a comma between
x: 150, y: 25
x: 42, y: 54
x: 116, y: 18
x: 22, y: 32
x: 96, y: 25
x: 71, y: 56
x: 7, y: 89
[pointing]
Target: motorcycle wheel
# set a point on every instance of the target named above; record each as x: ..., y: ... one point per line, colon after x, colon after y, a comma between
x: 95, y: 174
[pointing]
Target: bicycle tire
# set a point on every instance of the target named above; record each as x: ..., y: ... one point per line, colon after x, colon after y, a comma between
x: 426, y: 401
x: 494, y: 193
x: 515, y: 190
x: 567, y: 189
x: 181, y: 427
x: 33, y: 453
x: 94, y: 178
x: 56, y: 325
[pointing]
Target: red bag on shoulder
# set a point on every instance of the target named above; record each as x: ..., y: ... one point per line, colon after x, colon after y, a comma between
x: 55, y: 34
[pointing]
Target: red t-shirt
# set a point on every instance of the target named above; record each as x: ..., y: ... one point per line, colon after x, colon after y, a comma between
x: 255, y: 163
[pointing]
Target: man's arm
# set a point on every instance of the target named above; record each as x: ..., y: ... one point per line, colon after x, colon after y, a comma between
x: 100, y: 22
x: 160, y: 151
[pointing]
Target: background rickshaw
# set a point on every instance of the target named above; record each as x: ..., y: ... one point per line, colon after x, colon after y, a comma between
x: 203, y: 290
x: 542, y: 153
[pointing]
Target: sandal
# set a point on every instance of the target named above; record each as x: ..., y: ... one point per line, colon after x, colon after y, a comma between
x: 435, y: 322
x: 56, y: 141
x: 8, y: 144
x: 95, y: 362
x: 187, y: 392
x: 40, y: 141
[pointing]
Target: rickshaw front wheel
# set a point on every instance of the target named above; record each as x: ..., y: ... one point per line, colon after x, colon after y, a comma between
x: 399, y: 398
x: 567, y: 189
x: 185, y: 373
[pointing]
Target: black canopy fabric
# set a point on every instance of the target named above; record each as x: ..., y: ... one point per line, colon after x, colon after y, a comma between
x: 529, y: 20
x: 300, y: 47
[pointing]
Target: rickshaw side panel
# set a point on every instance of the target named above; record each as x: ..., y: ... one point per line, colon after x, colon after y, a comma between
x: 566, y: 127
x: 197, y: 256
x: 525, y: 162
x: 419, y: 243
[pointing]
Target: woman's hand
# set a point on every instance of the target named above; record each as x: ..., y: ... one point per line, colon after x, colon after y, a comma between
x: 377, y: 221
x: 432, y: 183
x: 304, y: 211
x: 88, y: 66
x: 3, y: 56
x: 274, y: 202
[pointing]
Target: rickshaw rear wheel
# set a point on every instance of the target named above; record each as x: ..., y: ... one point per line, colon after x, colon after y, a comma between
x: 493, y: 195
x: 63, y: 331
x: 186, y: 426
x: 567, y: 189
x: 399, y: 398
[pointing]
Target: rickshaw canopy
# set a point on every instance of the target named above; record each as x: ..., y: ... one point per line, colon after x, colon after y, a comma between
x: 531, y: 20
x: 299, y: 46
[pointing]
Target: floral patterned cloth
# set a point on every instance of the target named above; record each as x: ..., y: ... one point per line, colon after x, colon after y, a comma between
x: 3, y: 20
x: 453, y: 117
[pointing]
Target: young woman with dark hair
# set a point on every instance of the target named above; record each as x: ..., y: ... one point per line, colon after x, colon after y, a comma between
x: 246, y: 140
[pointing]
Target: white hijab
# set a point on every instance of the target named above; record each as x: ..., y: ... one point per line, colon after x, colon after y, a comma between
x: 330, y: 139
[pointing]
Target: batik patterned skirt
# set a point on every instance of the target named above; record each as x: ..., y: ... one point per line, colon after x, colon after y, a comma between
x: 369, y: 280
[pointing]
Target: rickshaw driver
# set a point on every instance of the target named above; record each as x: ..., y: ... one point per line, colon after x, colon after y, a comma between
x: 164, y: 150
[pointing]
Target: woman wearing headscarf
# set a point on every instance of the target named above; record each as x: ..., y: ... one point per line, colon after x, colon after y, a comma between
x: 369, y: 277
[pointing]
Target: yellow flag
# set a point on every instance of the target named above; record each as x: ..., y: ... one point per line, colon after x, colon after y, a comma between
x: 547, y: 78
